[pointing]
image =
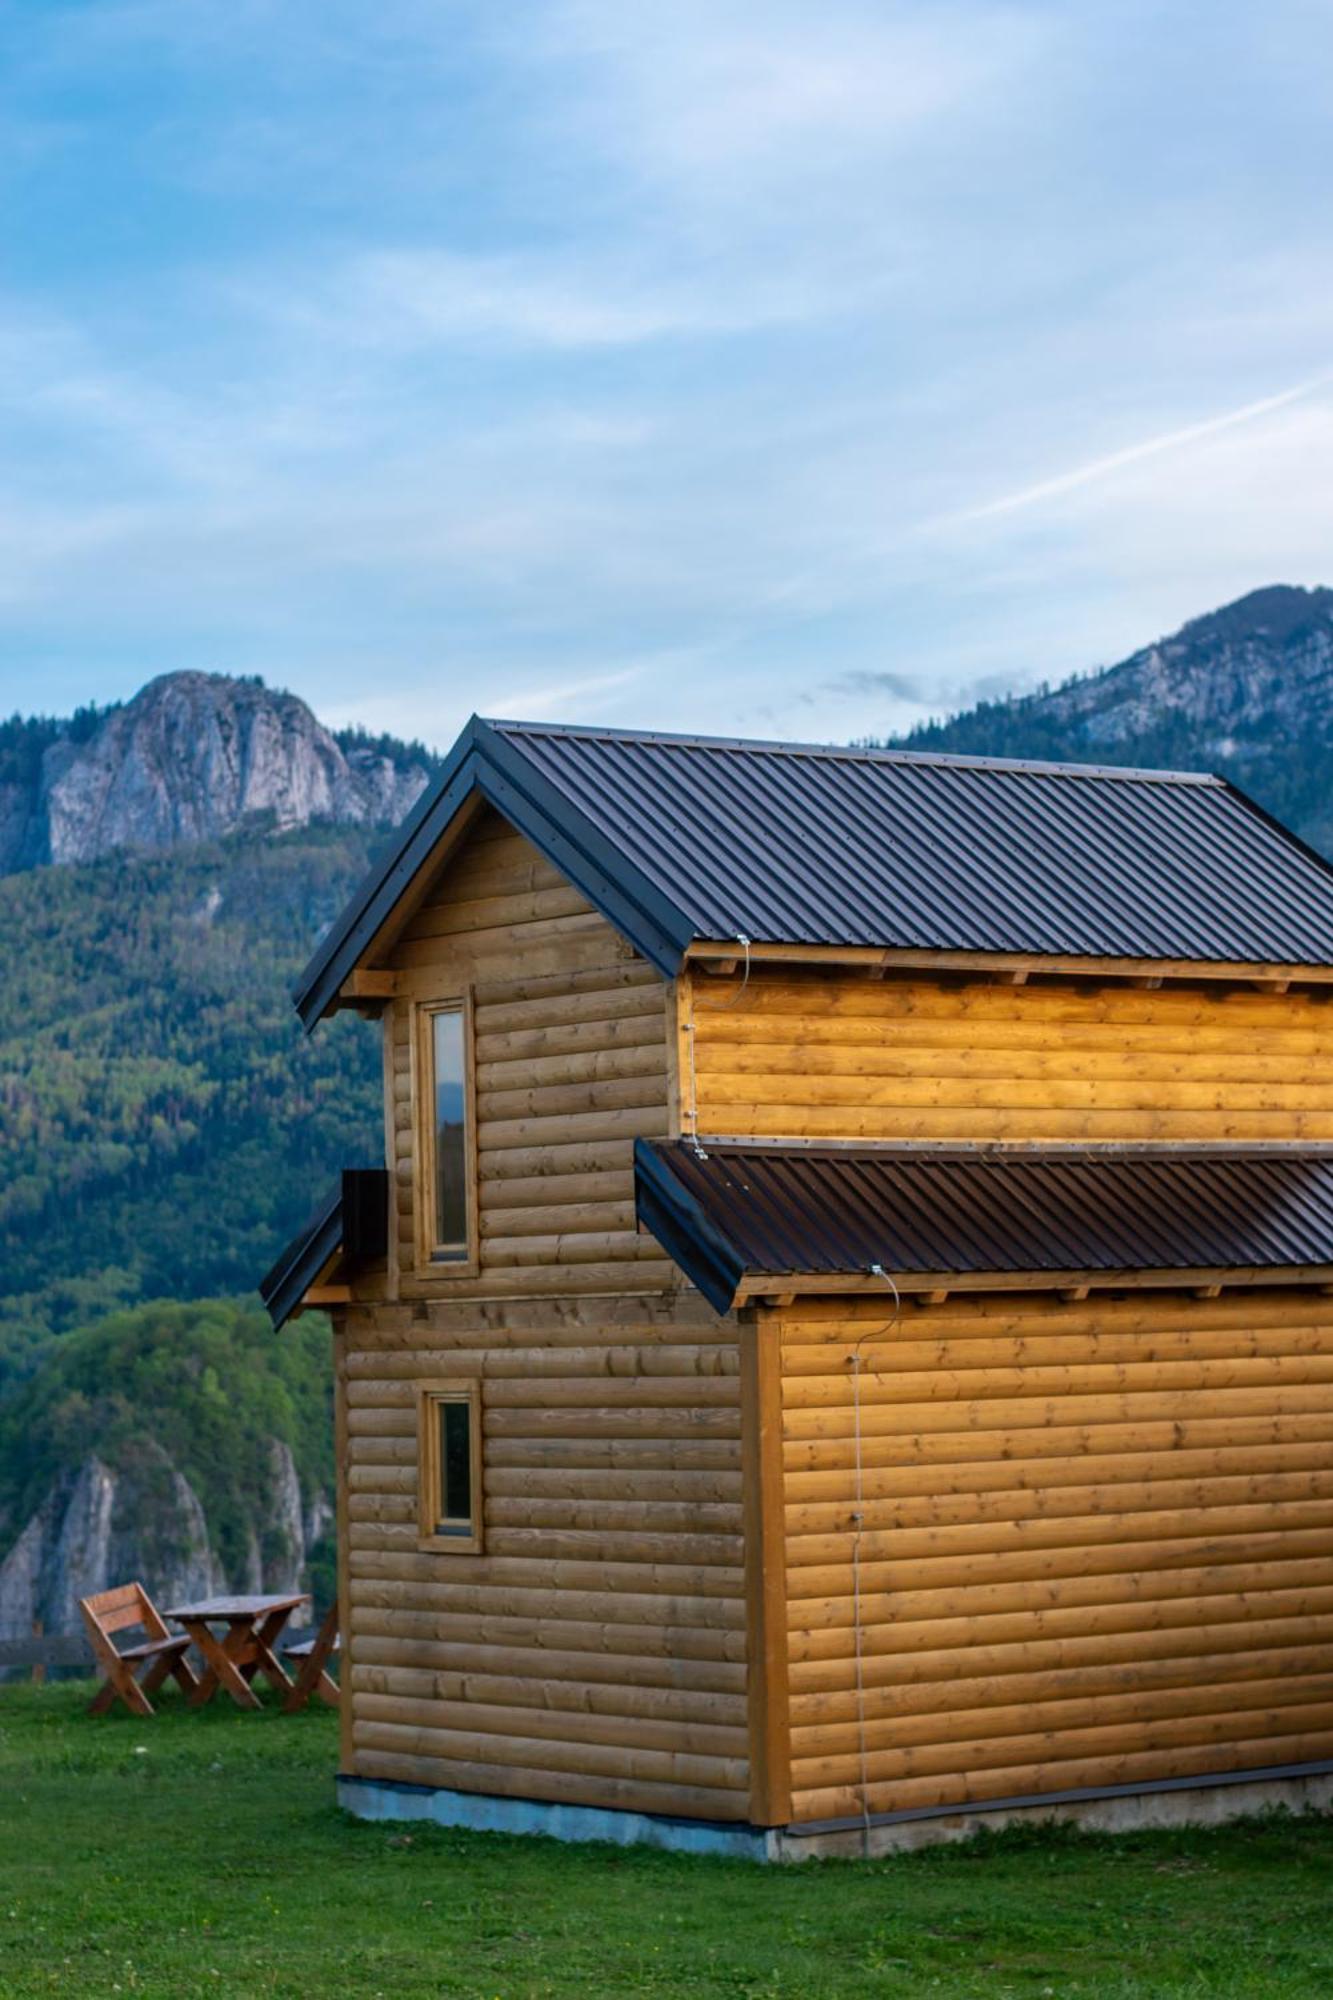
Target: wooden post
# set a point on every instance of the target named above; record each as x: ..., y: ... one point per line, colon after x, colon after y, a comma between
x: 765, y: 1569
x: 38, y: 1666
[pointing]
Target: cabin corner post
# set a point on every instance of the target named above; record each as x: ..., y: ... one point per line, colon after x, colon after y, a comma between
x: 389, y: 1034
x: 682, y: 1080
x: 342, y: 1476
x: 767, y: 1701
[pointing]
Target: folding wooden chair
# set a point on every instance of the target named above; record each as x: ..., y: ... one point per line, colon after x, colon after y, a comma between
x: 162, y: 1652
x: 313, y: 1655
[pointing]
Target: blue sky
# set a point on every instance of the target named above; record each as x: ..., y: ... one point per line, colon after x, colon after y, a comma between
x: 788, y: 369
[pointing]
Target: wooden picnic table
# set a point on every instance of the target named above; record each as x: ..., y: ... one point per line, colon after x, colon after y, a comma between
x: 247, y: 1647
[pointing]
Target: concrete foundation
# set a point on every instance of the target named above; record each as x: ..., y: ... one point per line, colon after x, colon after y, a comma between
x: 1123, y: 1809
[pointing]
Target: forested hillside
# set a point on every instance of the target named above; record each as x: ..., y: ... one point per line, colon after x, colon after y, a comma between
x: 164, y: 1124
x: 166, y: 868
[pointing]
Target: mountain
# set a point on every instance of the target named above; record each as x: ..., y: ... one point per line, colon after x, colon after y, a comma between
x: 192, y: 757
x: 1246, y: 691
x: 165, y: 868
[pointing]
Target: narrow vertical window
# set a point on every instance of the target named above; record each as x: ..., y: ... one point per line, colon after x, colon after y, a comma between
x: 446, y: 1164
x: 449, y: 1438
x: 450, y: 1134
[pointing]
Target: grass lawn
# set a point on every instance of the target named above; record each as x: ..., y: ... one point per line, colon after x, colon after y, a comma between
x: 201, y: 1854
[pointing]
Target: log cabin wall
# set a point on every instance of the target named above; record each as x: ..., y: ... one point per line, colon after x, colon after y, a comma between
x: 595, y: 1651
x: 1096, y: 1544
x: 571, y: 1065
x: 828, y: 1055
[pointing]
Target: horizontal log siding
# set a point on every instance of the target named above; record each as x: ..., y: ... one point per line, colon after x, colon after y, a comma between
x: 571, y: 1066
x: 823, y: 1056
x: 595, y: 1652
x: 1097, y: 1543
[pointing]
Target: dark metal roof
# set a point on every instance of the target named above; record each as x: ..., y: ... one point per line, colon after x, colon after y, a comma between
x: 888, y: 848
x: 675, y: 838
x: 734, y: 1212
x: 353, y: 1222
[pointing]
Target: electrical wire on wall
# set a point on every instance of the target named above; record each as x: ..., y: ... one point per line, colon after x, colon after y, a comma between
x: 858, y: 1529
x: 713, y: 1007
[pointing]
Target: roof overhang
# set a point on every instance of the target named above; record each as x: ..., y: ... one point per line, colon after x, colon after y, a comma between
x: 746, y: 1222
x: 483, y: 765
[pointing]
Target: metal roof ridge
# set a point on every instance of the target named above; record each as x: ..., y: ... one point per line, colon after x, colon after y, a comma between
x: 853, y: 753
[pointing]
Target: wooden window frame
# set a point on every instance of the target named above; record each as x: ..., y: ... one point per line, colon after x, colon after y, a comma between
x: 428, y: 1264
x: 429, y: 1396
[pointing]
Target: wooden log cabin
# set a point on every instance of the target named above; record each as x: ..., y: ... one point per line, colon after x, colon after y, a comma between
x: 842, y: 1343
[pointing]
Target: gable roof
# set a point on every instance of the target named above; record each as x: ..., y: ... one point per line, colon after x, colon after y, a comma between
x: 729, y: 1213
x: 682, y: 838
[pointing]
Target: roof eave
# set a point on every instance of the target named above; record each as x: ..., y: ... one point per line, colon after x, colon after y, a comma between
x: 484, y: 762
x: 758, y: 1286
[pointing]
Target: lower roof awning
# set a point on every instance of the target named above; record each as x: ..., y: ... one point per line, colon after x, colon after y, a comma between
x: 738, y: 1218
x: 351, y: 1227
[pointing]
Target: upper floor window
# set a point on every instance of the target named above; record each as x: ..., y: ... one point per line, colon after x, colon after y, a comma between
x: 446, y: 1192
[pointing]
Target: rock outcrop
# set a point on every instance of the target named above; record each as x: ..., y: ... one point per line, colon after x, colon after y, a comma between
x: 1246, y: 691
x: 192, y: 757
x: 102, y: 1527
x: 1262, y: 664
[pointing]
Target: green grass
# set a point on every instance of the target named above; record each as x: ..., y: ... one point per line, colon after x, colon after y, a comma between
x: 201, y: 1854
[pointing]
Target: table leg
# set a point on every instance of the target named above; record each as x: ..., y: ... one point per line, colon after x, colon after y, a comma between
x: 265, y: 1659
x: 221, y: 1665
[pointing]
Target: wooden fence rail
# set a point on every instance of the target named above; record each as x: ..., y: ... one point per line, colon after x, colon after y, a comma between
x: 46, y: 1649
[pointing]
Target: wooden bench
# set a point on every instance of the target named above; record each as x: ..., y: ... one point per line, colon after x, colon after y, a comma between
x: 161, y: 1653
x: 313, y: 1655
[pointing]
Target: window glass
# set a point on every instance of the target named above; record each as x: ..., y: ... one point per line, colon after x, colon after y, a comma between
x: 449, y: 1063
x: 455, y: 1462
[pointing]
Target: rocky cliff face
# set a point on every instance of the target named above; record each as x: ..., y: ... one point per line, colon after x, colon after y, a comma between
x: 1246, y: 691
x: 101, y: 1527
x: 191, y: 757
x: 1262, y: 664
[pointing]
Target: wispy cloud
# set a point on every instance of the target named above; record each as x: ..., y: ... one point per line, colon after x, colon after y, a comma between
x: 1097, y: 469
x: 581, y: 358
x: 410, y: 298
x: 715, y: 94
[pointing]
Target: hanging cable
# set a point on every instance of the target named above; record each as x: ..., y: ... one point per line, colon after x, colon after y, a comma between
x: 858, y: 1529
x: 724, y: 1006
